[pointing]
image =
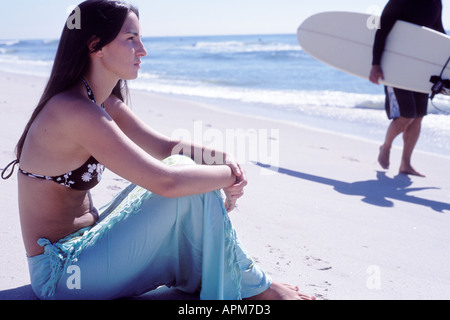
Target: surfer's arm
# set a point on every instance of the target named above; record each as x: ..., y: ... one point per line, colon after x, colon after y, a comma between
x: 376, y: 73
x: 387, y: 22
x: 389, y: 17
x: 380, y: 39
x: 439, y: 26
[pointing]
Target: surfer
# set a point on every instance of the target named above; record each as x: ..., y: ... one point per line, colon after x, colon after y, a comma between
x: 405, y: 108
x: 178, y: 234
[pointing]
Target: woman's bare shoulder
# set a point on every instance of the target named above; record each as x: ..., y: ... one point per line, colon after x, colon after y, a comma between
x: 68, y: 104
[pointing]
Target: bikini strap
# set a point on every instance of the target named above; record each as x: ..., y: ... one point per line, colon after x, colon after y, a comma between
x: 90, y: 93
x: 13, y: 164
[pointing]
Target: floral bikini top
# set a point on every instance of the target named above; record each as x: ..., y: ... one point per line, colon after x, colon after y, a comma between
x: 84, y: 178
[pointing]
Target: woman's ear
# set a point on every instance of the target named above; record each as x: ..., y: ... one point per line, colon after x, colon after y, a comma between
x: 92, y: 44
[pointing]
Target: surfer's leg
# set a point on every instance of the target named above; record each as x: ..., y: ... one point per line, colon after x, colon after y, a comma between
x: 396, y: 127
x: 404, y: 107
x: 417, y: 109
x: 383, y: 157
x: 410, y: 138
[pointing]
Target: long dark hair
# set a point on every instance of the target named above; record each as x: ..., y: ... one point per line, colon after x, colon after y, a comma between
x: 99, y: 19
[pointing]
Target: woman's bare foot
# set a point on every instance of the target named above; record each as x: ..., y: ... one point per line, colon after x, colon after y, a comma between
x: 280, y: 291
x: 383, y: 157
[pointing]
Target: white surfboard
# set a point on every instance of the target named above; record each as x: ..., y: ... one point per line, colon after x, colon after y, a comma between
x: 345, y: 40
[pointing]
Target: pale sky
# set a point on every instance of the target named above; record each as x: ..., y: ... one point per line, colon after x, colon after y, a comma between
x: 44, y: 19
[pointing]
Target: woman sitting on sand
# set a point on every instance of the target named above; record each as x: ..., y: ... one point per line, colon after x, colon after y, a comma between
x: 169, y: 227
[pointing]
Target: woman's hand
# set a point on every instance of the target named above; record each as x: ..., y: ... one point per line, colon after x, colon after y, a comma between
x: 235, y: 191
x: 376, y: 74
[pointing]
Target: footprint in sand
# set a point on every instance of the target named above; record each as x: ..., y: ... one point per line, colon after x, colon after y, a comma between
x: 318, y: 263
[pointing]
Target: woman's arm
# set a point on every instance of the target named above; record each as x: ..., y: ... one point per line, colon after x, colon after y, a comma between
x: 126, y: 154
x: 161, y: 147
x: 151, y: 141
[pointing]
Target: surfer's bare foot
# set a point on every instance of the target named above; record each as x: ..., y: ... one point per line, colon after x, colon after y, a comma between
x: 409, y: 170
x: 383, y: 157
x: 279, y: 291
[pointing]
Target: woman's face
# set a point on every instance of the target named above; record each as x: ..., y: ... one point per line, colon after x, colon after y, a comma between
x: 122, y: 56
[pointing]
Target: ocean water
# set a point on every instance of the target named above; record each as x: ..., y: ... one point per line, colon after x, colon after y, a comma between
x: 261, y: 75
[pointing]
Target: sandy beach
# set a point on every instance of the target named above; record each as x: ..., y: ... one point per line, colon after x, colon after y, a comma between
x: 318, y: 212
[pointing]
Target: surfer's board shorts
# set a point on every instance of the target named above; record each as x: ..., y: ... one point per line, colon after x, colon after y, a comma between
x: 404, y: 103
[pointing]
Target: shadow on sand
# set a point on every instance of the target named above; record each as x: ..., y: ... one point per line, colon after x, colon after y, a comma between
x: 381, y: 191
x: 162, y: 293
x: 21, y: 293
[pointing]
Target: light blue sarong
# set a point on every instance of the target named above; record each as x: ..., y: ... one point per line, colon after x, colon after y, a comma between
x: 143, y: 241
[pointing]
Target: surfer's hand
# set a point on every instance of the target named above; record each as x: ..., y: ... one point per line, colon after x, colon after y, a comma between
x: 376, y: 74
